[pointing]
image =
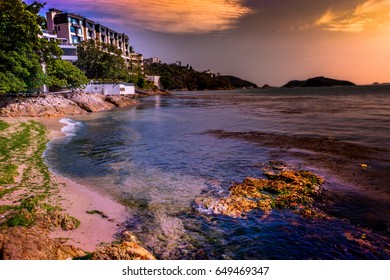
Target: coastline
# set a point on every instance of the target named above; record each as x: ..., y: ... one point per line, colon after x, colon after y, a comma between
x: 71, y: 221
x: 78, y: 200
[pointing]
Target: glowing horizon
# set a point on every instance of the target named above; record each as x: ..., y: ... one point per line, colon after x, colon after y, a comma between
x: 266, y: 42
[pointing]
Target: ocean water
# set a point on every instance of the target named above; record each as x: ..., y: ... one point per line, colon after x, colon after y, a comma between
x: 157, y: 157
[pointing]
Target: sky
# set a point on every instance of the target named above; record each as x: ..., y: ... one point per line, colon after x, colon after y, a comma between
x: 263, y: 41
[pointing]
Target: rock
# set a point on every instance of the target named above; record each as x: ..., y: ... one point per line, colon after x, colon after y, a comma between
x: 121, y: 100
x: 123, y: 251
x: 128, y: 236
x: 43, y: 106
x: 318, y: 82
x: 61, y: 104
x: 21, y: 243
x: 294, y: 190
x: 90, y: 102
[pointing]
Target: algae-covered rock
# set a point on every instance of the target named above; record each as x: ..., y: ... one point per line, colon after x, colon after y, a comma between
x: 294, y: 190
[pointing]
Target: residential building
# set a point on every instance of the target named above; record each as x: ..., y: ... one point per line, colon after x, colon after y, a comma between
x: 74, y: 29
x: 137, y: 62
x: 69, y: 51
x: 111, y: 89
x: 151, y: 60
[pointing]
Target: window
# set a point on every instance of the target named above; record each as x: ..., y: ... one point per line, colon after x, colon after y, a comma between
x: 72, y: 29
x: 75, y: 40
x: 79, y: 31
x: 59, y: 28
x: 69, y: 52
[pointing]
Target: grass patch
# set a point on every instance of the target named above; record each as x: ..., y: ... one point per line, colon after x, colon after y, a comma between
x: 3, y: 125
x: 5, y: 208
x: 3, y: 192
x: 8, y: 172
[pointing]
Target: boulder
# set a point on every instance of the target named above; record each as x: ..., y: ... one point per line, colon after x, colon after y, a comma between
x: 126, y: 250
x: 21, y: 243
x: 92, y: 102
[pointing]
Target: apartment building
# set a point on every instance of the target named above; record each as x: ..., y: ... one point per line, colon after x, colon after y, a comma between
x: 74, y: 29
x: 69, y: 51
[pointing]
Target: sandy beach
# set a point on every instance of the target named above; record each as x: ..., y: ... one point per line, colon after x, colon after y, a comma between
x: 77, y: 200
x: 46, y: 216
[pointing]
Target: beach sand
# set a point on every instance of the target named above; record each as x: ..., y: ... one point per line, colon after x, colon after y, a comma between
x: 100, y: 226
x: 77, y: 200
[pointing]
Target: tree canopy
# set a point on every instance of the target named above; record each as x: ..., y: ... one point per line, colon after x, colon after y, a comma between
x: 20, y: 68
x: 101, y: 61
x: 64, y: 74
x: 23, y: 50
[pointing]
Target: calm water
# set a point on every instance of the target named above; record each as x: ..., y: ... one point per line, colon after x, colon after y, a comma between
x: 156, y: 158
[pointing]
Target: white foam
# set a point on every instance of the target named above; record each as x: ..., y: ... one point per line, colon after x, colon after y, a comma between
x: 71, y: 127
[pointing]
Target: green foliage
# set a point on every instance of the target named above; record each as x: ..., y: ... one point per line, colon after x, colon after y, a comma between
x: 176, y: 77
x: 101, y: 62
x: 64, y: 74
x: 20, y: 25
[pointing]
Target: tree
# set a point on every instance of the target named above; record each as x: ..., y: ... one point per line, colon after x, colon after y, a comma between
x: 20, y: 53
x: 101, y: 61
x: 64, y: 74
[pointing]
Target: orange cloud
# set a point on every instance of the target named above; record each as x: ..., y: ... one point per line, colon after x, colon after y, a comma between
x: 172, y: 16
x: 368, y: 15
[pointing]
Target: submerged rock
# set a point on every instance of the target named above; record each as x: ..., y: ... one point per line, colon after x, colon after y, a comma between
x: 294, y: 190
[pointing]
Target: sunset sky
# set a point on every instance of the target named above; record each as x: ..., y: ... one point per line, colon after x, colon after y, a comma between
x: 264, y: 41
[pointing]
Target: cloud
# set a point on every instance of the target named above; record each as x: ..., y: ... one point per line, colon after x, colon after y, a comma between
x: 368, y: 15
x: 168, y: 16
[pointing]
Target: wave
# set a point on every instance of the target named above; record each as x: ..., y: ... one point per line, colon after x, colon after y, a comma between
x: 71, y: 127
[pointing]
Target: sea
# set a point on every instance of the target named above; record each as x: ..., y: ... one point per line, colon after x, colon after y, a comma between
x: 159, y: 156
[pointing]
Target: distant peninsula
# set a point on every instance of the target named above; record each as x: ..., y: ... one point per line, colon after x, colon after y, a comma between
x: 177, y: 77
x: 318, y: 82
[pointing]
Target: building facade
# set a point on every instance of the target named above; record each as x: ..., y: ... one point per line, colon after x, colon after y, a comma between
x: 73, y: 29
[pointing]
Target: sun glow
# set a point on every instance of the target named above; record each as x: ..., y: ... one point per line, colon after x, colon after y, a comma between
x: 372, y: 14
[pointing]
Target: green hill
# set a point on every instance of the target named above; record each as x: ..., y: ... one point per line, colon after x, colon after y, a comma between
x: 176, y: 77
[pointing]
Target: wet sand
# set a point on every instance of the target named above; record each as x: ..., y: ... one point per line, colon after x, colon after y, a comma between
x: 76, y: 200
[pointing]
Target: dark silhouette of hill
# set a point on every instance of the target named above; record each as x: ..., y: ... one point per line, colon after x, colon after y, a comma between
x: 318, y: 82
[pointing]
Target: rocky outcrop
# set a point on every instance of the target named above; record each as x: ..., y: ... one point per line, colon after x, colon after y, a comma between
x: 298, y: 191
x: 126, y: 250
x: 318, y: 82
x: 21, y: 243
x: 92, y: 102
x: 43, y: 106
x: 121, y: 101
x: 61, y: 104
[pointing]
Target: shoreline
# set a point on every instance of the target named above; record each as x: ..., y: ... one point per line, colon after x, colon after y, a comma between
x: 62, y: 219
x: 79, y: 199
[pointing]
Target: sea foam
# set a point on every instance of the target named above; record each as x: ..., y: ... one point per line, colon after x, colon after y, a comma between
x: 71, y: 127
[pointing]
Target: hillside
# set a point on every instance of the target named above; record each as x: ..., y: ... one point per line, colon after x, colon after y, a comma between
x: 176, y: 77
x: 318, y: 82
